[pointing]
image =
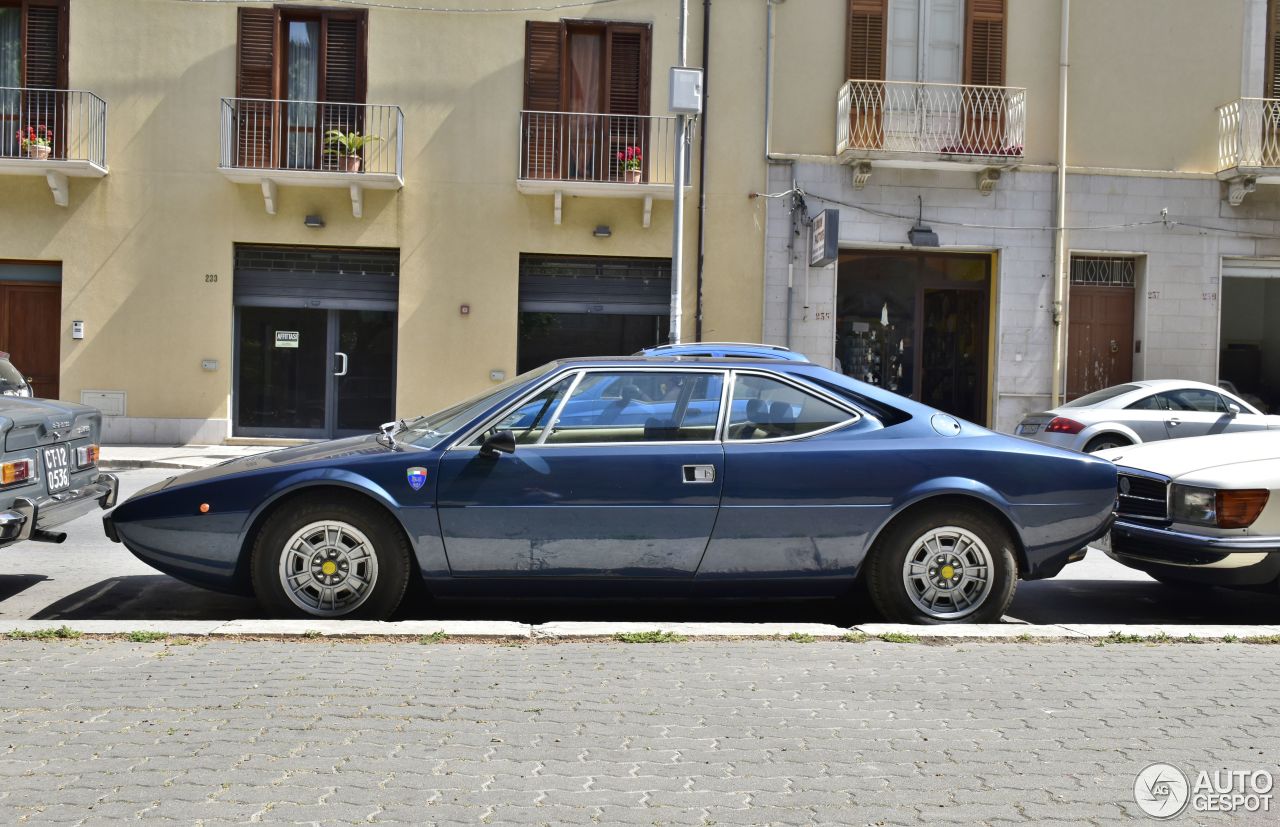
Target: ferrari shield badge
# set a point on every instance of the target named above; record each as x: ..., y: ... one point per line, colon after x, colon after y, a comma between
x: 417, y: 478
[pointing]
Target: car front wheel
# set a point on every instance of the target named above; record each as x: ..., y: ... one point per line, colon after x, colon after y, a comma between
x: 330, y: 559
x: 943, y: 565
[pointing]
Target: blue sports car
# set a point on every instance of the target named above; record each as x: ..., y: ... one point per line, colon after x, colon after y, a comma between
x: 638, y: 476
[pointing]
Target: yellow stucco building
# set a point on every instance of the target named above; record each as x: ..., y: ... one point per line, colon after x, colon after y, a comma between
x: 245, y: 220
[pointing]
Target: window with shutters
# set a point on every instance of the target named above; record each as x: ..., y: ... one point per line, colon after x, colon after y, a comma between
x: 300, y: 81
x: 928, y: 76
x: 586, y: 101
x: 33, y: 72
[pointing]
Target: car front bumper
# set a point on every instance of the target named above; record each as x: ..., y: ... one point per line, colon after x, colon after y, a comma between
x: 1237, y: 560
x: 27, y: 516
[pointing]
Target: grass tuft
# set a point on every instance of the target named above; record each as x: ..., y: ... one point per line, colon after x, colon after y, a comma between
x: 63, y: 632
x: 140, y: 636
x: 800, y: 637
x: 1264, y: 640
x: 649, y: 637
x: 854, y: 637
x: 1121, y: 637
x: 899, y: 637
x: 434, y: 637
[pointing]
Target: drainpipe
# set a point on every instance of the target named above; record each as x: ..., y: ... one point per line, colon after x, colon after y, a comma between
x: 770, y: 159
x: 1060, y: 238
x: 702, y: 168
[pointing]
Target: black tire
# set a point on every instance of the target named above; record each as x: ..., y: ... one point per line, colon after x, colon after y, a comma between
x: 887, y: 564
x: 1105, y: 441
x: 390, y: 550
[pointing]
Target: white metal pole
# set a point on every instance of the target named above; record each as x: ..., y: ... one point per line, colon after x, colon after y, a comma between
x: 677, y: 213
x: 1060, y: 293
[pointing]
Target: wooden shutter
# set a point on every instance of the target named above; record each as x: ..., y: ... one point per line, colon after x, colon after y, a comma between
x: 256, y: 80
x: 44, y: 67
x: 865, y: 60
x: 543, y: 64
x: 627, y: 52
x: 984, y: 43
x: 865, y: 40
x: 343, y: 80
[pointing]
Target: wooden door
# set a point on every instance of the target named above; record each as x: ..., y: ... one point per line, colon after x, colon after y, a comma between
x: 1099, y: 338
x: 30, y: 318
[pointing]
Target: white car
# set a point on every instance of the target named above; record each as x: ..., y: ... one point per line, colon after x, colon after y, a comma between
x: 1144, y: 411
x: 1202, y: 511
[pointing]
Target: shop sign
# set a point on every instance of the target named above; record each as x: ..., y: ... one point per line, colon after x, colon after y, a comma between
x: 287, y: 338
x: 824, y: 247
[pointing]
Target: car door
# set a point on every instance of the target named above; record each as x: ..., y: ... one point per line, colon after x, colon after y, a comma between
x: 798, y: 501
x: 628, y: 488
x: 1194, y: 412
x: 1146, y: 417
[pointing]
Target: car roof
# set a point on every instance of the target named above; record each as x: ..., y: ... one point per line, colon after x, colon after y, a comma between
x: 676, y: 359
x: 748, y: 349
x: 1162, y: 384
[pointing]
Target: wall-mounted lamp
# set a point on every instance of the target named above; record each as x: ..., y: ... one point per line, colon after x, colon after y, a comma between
x: 315, y: 222
x: 922, y: 235
x: 602, y: 231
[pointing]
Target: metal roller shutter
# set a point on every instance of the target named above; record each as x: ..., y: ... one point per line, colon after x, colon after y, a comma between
x: 589, y: 284
x: 320, y: 277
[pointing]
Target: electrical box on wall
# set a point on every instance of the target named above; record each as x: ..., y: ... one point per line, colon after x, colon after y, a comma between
x: 77, y: 330
x: 686, y: 91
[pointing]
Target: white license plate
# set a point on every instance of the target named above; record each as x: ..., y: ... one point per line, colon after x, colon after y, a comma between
x: 57, y: 467
x: 1027, y: 430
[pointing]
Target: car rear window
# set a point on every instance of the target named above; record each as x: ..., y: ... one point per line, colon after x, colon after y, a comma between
x: 10, y: 378
x: 1098, y: 397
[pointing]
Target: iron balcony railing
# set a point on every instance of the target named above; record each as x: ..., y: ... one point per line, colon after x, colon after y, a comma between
x: 937, y: 119
x: 1249, y: 133
x: 599, y: 148
x: 53, y: 124
x: 299, y: 136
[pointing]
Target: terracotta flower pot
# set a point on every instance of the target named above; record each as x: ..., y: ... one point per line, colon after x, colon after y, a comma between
x: 633, y: 176
x: 349, y: 163
x: 39, y: 153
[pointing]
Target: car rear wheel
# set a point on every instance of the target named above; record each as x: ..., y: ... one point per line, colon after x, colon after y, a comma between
x: 943, y: 565
x: 330, y: 558
x: 1104, y: 442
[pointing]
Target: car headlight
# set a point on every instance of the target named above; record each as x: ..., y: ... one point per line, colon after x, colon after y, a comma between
x: 1218, y: 508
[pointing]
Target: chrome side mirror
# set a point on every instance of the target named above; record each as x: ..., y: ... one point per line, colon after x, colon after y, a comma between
x: 499, y: 442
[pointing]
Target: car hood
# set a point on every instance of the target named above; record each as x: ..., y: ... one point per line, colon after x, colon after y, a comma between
x: 1175, y: 458
x: 316, y: 452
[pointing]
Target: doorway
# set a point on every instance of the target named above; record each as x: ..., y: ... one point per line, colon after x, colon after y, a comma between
x: 917, y: 324
x: 1248, y: 337
x: 1100, y: 325
x: 31, y: 322
x: 315, y: 334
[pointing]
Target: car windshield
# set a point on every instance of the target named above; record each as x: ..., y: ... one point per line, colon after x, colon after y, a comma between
x: 428, y: 431
x: 1098, y: 397
x: 10, y: 378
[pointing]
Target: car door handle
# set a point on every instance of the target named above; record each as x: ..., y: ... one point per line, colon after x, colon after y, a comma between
x: 699, y: 473
x: 342, y: 371
x: 1173, y: 422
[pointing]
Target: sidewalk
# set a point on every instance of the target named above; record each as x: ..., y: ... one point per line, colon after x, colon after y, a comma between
x: 179, y: 457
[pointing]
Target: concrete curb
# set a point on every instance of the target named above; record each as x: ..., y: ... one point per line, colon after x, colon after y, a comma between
x: 480, y: 630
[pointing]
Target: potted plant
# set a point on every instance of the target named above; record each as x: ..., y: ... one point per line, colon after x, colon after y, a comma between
x: 630, y: 159
x: 347, y: 146
x: 37, y: 142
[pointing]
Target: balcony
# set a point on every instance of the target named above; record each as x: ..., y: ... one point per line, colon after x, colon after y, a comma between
x: 284, y: 143
x: 71, y: 127
x: 584, y: 154
x: 930, y: 126
x: 1248, y: 145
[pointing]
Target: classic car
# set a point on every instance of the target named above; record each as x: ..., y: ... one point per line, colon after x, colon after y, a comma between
x: 722, y: 477
x: 48, y: 468
x: 1200, y: 511
x: 1144, y: 411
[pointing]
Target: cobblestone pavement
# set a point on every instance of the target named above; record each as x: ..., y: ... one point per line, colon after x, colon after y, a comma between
x: 611, y: 733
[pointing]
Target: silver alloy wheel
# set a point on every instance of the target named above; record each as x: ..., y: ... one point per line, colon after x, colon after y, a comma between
x: 328, y: 568
x: 948, y: 572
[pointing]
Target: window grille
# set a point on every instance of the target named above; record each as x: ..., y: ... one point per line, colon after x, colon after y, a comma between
x: 1104, y: 271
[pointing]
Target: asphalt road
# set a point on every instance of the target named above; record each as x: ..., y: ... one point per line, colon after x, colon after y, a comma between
x: 89, y: 577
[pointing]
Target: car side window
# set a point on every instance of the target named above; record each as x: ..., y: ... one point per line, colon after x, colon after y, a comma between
x: 764, y: 408
x: 650, y: 406
x: 1191, y: 399
x: 1148, y: 403
x: 530, y: 420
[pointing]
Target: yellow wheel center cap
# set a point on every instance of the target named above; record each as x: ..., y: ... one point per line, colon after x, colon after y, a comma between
x: 947, y: 572
x: 329, y: 567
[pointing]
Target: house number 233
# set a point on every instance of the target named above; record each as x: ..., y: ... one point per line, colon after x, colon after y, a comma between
x: 210, y: 278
